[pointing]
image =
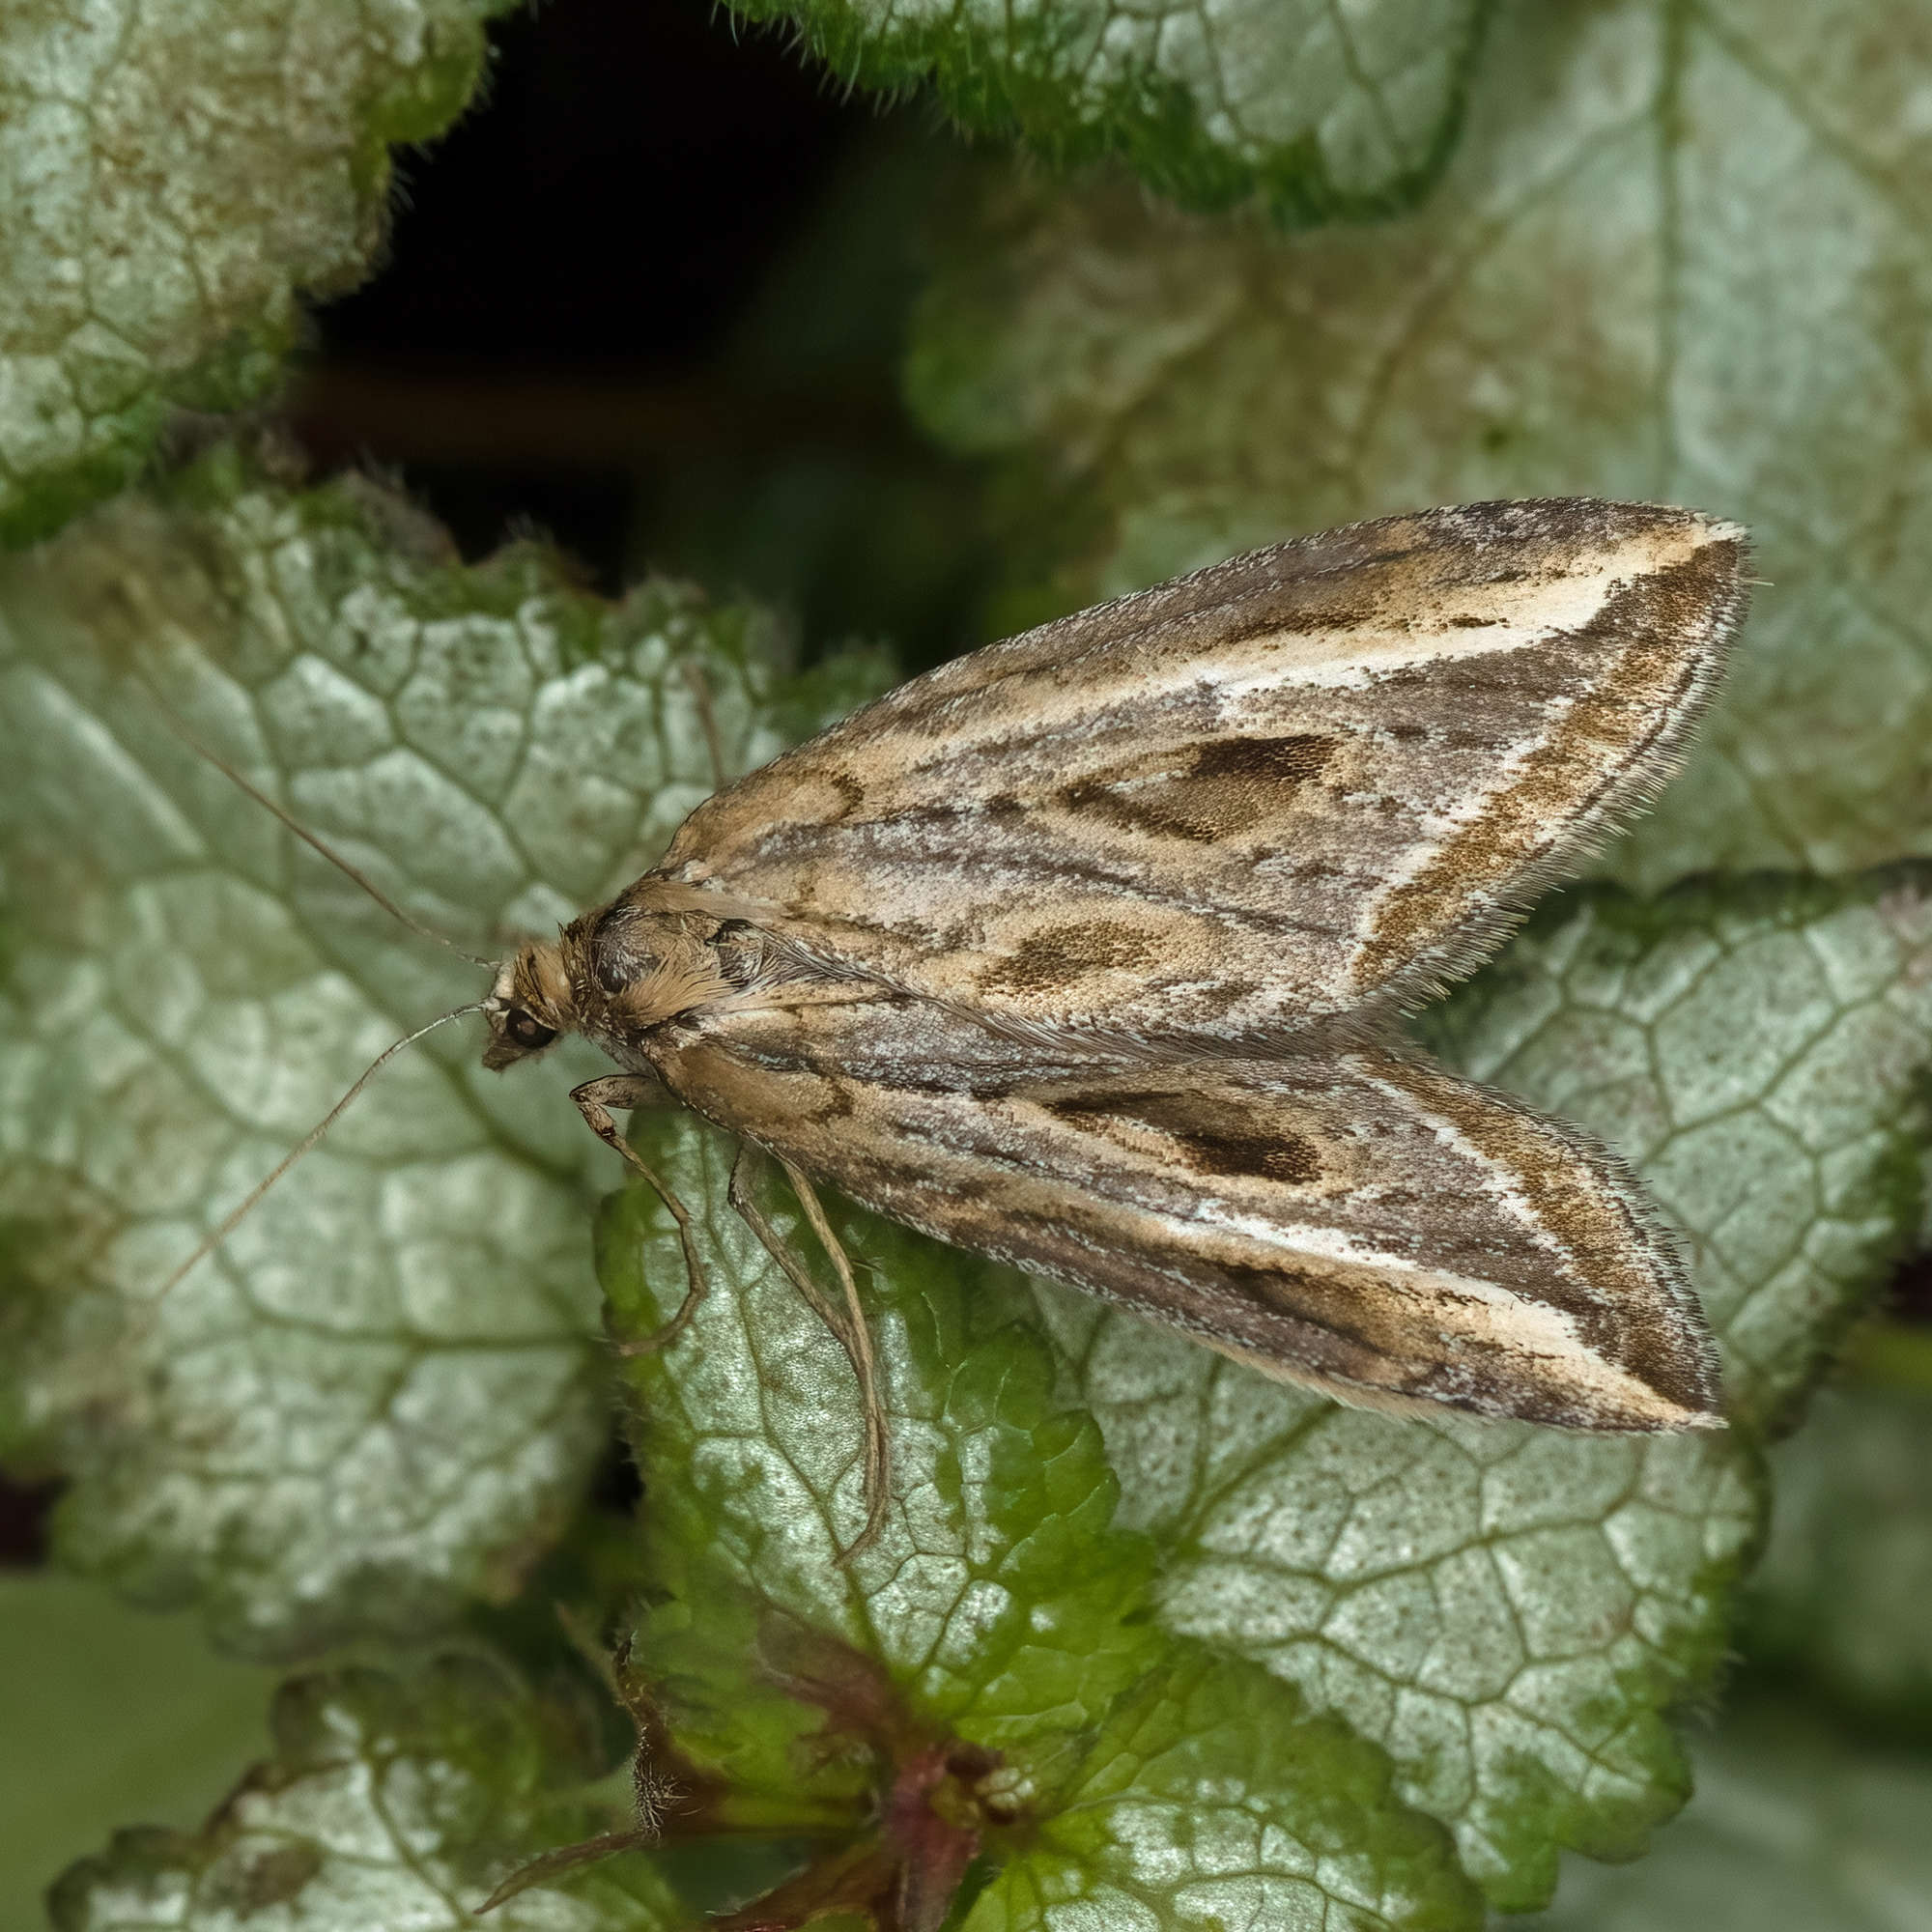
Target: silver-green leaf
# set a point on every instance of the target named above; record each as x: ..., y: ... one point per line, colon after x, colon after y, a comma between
x: 1309, y: 109
x: 382, y: 1393
x: 1758, y: 1049
x: 388, y: 1802
x: 176, y: 173
x: 1514, y: 1613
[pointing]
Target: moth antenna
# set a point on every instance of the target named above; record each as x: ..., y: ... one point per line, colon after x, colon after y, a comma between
x: 314, y: 842
x: 707, y: 718
x: 308, y: 1142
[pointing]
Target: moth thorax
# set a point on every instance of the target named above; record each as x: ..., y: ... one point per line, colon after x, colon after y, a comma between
x: 636, y: 966
x: 621, y: 945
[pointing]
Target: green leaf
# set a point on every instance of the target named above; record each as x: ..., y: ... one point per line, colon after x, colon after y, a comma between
x: 1312, y: 109
x: 1840, y: 1596
x: 1679, y: 255
x: 999, y: 1595
x: 999, y: 1624
x: 1758, y: 1049
x: 175, y: 176
x: 1510, y: 1612
x: 387, y: 1802
x: 383, y: 1394
x: 1513, y: 1612
x: 120, y: 1714
x: 1201, y: 1803
x: 1794, y: 1828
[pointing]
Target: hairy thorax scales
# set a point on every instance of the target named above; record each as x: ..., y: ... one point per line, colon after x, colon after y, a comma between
x: 658, y: 951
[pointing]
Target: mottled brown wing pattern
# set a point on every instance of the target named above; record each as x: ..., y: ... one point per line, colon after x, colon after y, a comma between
x: 1362, y: 1222
x: 1311, y: 778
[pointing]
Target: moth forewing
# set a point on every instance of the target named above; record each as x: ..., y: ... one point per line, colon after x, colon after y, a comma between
x: 1357, y: 1221
x: 1309, y: 779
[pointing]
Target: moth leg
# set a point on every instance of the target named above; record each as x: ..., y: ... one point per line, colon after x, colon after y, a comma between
x: 739, y: 1194
x: 594, y: 1100
x: 849, y: 1326
x: 878, y: 1441
x: 653, y: 1795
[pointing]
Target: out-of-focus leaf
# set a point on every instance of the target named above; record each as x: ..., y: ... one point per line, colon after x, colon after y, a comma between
x: 109, y: 1714
x: 997, y: 1631
x: 1313, y: 109
x: 1840, y: 1598
x: 1793, y: 1830
x: 384, y: 1392
x: 1513, y: 1612
x: 1679, y: 255
x: 175, y: 172
x: 387, y: 1802
x: 844, y: 515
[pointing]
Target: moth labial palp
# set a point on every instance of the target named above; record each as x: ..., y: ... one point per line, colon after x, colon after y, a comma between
x: 1044, y: 956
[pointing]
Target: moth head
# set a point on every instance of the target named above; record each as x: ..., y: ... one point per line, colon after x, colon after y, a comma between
x: 529, y: 1008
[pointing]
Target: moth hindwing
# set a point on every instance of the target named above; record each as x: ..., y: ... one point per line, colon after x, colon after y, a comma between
x: 1086, y: 953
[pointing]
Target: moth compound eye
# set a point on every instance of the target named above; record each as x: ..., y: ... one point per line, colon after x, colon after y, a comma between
x: 527, y: 1031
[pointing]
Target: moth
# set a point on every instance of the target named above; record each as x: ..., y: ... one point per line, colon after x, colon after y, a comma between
x: 1087, y: 952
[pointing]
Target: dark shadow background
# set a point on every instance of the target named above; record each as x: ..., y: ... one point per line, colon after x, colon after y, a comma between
x: 649, y: 298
